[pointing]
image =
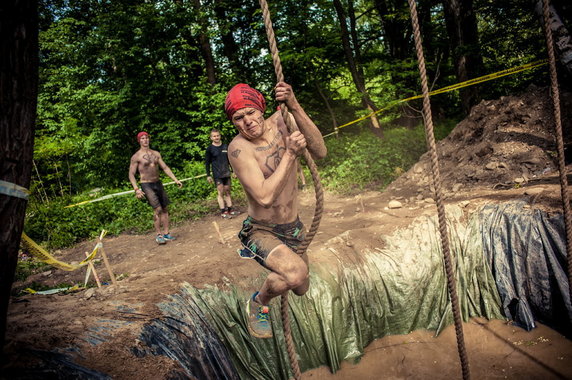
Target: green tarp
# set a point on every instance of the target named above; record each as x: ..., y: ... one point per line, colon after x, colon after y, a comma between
x: 395, y: 288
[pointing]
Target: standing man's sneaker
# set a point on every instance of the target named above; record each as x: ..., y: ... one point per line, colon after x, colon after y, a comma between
x: 234, y: 212
x: 258, y: 319
x: 168, y: 237
x: 226, y: 215
x: 160, y: 239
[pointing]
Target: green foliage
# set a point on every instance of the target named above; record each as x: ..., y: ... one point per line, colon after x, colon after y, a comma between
x: 357, y: 161
x: 25, y: 268
x: 111, y: 69
x: 57, y: 226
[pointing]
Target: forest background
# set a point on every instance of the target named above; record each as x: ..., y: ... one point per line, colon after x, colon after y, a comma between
x: 109, y: 69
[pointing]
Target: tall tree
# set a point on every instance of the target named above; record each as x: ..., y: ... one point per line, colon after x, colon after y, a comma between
x: 18, y: 97
x: 205, y: 43
x: 463, y: 32
x: 396, y: 27
x: 352, y: 53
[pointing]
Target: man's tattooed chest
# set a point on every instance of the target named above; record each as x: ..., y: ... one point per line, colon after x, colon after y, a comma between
x: 272, y: 160
x: 149, y: 159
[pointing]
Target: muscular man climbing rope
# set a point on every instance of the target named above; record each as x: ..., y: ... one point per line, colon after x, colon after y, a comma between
x: 264, y: 157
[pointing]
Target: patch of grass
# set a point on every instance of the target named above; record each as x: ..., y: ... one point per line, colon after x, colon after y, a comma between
x: 360, y: 160
x: 25, y: 268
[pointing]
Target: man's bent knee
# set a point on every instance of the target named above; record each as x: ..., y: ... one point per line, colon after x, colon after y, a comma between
x: 302, y: 289
x: 290, y: 266
x: 297, y: 278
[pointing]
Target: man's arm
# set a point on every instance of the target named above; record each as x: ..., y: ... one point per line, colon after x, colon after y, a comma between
x: 208, y: 161
x: 132, y: 170
x: 314, y: 139
x: 168, y: 171
x: 265, y: 190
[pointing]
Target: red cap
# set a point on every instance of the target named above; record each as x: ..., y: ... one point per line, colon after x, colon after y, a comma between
x: 243, y: 96
x: 141, y: 134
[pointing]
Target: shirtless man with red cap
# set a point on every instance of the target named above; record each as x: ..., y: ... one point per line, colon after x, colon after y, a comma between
x: 264, y: 157
x: 147, y: 162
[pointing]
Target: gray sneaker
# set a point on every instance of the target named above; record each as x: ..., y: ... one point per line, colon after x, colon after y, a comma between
x: 160, y: 240
x: 258, y: 319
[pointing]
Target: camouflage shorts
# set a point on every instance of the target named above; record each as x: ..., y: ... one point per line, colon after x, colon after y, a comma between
x: 260, y: 238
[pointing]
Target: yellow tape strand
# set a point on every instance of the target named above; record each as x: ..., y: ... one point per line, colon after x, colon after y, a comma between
x: 42, y: 255
x: 108, y: 196
x: 470, y: 82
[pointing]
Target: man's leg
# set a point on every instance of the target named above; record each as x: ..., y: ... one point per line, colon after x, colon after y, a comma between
x: 220, y: 199
x: 157, y: 221
x: 289, y: 272
x: 226, y: 196
x: 164, y: 219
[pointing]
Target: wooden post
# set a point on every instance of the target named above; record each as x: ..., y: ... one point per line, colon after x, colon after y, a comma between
x: 105, y: 260
x: 218, y: 232
x: 91, y: 267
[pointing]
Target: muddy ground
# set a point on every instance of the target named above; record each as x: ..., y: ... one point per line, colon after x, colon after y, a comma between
x: 503, y: 151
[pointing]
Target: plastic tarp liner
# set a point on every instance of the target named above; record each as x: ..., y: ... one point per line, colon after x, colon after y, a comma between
x: 526, y: 250
x: 394, y: 289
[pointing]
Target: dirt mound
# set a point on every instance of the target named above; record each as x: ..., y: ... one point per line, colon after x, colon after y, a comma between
x: 505, y: 143
x: 503, y: 150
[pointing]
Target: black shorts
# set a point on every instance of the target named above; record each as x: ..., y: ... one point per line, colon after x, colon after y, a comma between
x: 222, y: 181
x: 155, y: 194
x: 260, y: 238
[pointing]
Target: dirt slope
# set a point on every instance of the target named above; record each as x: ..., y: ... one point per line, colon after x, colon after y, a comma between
x: 502, y: 151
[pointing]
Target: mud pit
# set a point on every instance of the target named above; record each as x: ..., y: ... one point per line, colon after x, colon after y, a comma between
x: 503, y: 151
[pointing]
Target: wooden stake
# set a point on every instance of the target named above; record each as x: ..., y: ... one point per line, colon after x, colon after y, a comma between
x: 106, y: 262
x: 92, y: 268
x: 219, y: 234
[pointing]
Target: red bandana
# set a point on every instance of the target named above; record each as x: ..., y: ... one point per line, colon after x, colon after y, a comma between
x: 140, y: 134
x: 243, y: 96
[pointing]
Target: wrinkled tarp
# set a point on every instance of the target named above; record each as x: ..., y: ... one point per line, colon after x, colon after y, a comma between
x: 52, y: 365
x: 526, y: 250
x: 392, y: 289
x: 395, y: 289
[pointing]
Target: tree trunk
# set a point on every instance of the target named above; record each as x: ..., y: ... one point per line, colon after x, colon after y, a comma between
x: 18, y: 100
x: 205, y: 43
x: 561, y: 36
x: 397, y: 30
x: 352, y: 56
x: 462, y: 29
x: 229, y: 46
x: 327, y: 103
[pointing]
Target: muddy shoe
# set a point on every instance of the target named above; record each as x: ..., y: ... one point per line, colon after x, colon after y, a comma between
x: 226, y: 215
x: 169, y: 237
x: 160, y: 239
x: 258, y: 319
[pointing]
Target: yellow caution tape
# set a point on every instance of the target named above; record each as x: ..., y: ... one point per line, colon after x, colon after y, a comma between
x: 52, y: 291
x: 42, y: 255
x: 453, y: 87
x: 470, y: 82
x: 126, y: 192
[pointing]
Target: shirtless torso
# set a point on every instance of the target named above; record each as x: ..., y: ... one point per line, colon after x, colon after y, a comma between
x: 147, y: 162
x: 267, y: 151
x: 264, y: 157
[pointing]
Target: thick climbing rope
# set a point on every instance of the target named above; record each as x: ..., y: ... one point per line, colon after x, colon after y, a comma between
x: 430, y: 137
x: 317, y: 186
x: 559, y: 140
